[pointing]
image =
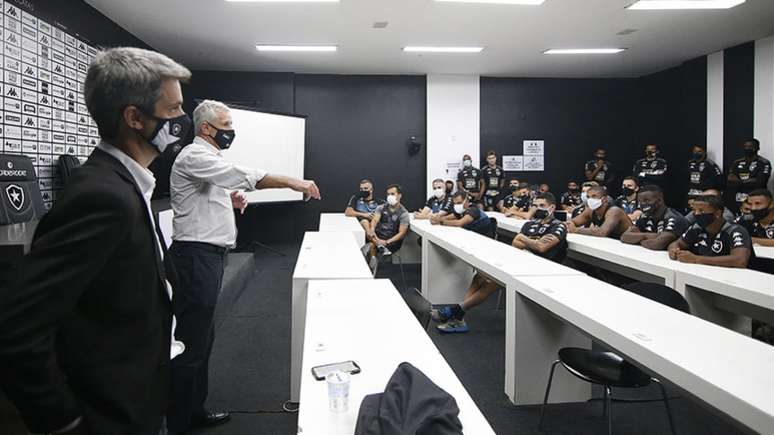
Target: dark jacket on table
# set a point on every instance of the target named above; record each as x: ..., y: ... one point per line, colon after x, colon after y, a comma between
x: 86, y: 328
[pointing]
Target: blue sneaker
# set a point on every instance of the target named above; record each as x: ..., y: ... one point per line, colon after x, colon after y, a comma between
x: 442, y: 313
x: 452, y: 326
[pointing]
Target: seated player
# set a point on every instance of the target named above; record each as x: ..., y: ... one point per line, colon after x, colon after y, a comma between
x: 584, y: 197
x: 728, y: 215
x: 628, y: 200
x: 712, y: 240
x: 572, y: 198
x: 510, y: 197
x: 522, y: 208
x: 449, y: 187
x: 389, y: 226
x: 544, y: 188
x: 602, y: 218
x: 438, y: 204
x: 761, y: 226
x: 464, y: 215
x: 544, y: 235
x: 659, y: 225
x: 362, y: 205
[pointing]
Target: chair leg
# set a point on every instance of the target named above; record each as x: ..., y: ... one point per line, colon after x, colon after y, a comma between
x: 604, y: 403
x: 500, y: 299
x: 609, y: 410
x: 666, y: 403
x: 548, y: 390
x: 402, y: 274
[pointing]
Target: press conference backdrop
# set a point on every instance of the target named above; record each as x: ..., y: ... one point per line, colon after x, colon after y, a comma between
x: 272, y: 142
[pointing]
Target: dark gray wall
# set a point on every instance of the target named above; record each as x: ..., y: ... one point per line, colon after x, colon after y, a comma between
x: 357, y: 128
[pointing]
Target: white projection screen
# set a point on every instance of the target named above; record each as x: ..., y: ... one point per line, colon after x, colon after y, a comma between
x: 272, y: 142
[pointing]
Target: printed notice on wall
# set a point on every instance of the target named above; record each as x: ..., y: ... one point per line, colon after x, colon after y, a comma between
x: 452, y: 168
x: 513, y: 163
x: 533, y: 163
x: 534, y: 148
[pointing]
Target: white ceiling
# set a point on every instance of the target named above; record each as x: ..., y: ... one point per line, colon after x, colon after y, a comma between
x: 215, y: 34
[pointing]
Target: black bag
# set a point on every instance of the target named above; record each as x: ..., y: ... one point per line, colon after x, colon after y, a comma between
x: 411, y: 404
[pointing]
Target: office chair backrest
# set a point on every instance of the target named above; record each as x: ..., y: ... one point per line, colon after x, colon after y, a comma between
x: 661, y: 294
x: 492, y: 232
x: 20, y: 199
x: 67, y: 164
x: 761, y: 264
x: 418, y: 305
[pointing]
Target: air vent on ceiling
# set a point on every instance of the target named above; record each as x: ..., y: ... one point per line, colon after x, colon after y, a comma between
x: 626, y: 32
x: 380, y: 24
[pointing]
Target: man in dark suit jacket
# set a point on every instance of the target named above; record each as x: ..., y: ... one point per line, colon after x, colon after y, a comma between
x: 86, y: 332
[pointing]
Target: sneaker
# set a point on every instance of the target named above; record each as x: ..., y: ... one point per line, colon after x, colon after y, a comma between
x: 442, y: 313
x: 453, y: 325
x: 382, y: 252
x: 366, y: 249
x: 373, y: 263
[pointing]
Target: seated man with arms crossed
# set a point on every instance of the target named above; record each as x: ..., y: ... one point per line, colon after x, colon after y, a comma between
x: 628, y: 200
x: 761, y: 226
x: 463, y: 215
x: 572, y: 198
x: 363, y: 204
x: 659, y: 225
x: 603, y: 219
x: 388, y: 227
x: 544, y: 235
x: 728, y: 215
x: 439, y: 204
x: 712, y: 240
x: 522, y: 207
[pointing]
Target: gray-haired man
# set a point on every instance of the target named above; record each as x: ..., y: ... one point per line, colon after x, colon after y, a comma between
x: 86, y: 331
x: 205, y: 189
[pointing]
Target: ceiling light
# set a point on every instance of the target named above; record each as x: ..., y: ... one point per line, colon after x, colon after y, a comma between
x: 411, y: 49
x: 583, y: 50
x: 314, y: 48
x: 684, y: 4
x: 506, y: 2
x: 283, y: 1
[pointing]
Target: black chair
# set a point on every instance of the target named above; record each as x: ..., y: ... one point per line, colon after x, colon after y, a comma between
x: 761, y: 264
x: 609, y: 369
x: 419, y: 305
x: 492, y: 230
x: 20, y: 198
x: 67, y: 164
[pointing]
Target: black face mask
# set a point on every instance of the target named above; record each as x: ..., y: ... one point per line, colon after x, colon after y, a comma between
x: 760, y: 213
x: 749, y: 152
x: 704, y: 220
x: 168, y: 131
x: 364, y: 193
x: 541, y: 214
x: 224, y: 138
x: 748, y: 217
x: 573, y: 189
x: 697, y: 156
x: 627, y: 190
x: 448, y: 190
x: 600, y: 157
x: 651, y: 154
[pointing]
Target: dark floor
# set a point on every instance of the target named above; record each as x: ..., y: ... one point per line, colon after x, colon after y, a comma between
x: 250, y: 364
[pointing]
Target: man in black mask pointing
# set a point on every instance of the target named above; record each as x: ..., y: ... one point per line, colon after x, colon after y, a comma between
x: 205, y: 189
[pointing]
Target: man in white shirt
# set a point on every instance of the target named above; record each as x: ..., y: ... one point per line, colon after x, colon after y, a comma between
x: 205, y: 189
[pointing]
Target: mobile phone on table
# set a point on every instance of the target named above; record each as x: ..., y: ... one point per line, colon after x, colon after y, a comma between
x: 320, y: 372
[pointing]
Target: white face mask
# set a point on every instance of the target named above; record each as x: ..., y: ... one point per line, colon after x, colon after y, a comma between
x: 459, y: 208
x: 594, y: 203
x: 584, y: 197
x: 392, y: 199
x: 439, y: 193
x: 467, y: 163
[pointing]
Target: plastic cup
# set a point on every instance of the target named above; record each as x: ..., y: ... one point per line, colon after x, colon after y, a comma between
x: 338, y: 391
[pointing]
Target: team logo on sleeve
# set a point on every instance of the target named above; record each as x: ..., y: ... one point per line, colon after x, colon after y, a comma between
x: 770, y: 232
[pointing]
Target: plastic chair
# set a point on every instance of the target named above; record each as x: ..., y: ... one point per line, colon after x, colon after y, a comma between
x: 609, y: 369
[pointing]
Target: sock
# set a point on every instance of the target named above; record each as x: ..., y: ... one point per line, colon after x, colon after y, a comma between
x: 457, y: 312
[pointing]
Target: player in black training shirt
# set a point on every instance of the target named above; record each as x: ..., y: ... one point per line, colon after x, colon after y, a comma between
x: 510, y: 196
x: 749, y: 173
x: 544, y: 235
x: 703, y: 173
x: 572, y: 198
x: 712, y: 240
x: 493, y: 176
x: 464, y: 215
x: 629, y: 200
x: 470, y: 180
x: 363, y: 204
x: 652, y: 169
x: 659, y: 225
x: 761, y: 222
x: 438, y: 204
x: 599, y: 169
x: 519, y: 204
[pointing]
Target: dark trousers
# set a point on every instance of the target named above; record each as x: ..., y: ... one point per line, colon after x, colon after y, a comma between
x: 200, y: 273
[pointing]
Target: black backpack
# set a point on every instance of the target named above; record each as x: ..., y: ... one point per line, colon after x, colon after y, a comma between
x: 20, y: 198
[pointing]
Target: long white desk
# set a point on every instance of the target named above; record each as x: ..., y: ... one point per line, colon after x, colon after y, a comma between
x: 510, y: 224
x: 718, y: 366
x: 338, y: 222
x: 764, y: 251
x: 337, y: 319
x: 449, y: 258
x: 323, y: 255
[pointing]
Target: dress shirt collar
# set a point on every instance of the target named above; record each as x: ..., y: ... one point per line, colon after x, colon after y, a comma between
x: 211, y: 148
x: 144, y: 178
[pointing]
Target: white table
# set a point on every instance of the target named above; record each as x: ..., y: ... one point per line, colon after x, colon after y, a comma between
x: 338, y: 329
x: 323, y: 255
x: 449, y: 258
x: 510, y: 224
x: 340, y: 222
x: 764, y: 251
x: 722, y: 368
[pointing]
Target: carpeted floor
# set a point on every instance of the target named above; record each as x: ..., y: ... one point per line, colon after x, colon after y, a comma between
x: 249, y: 369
